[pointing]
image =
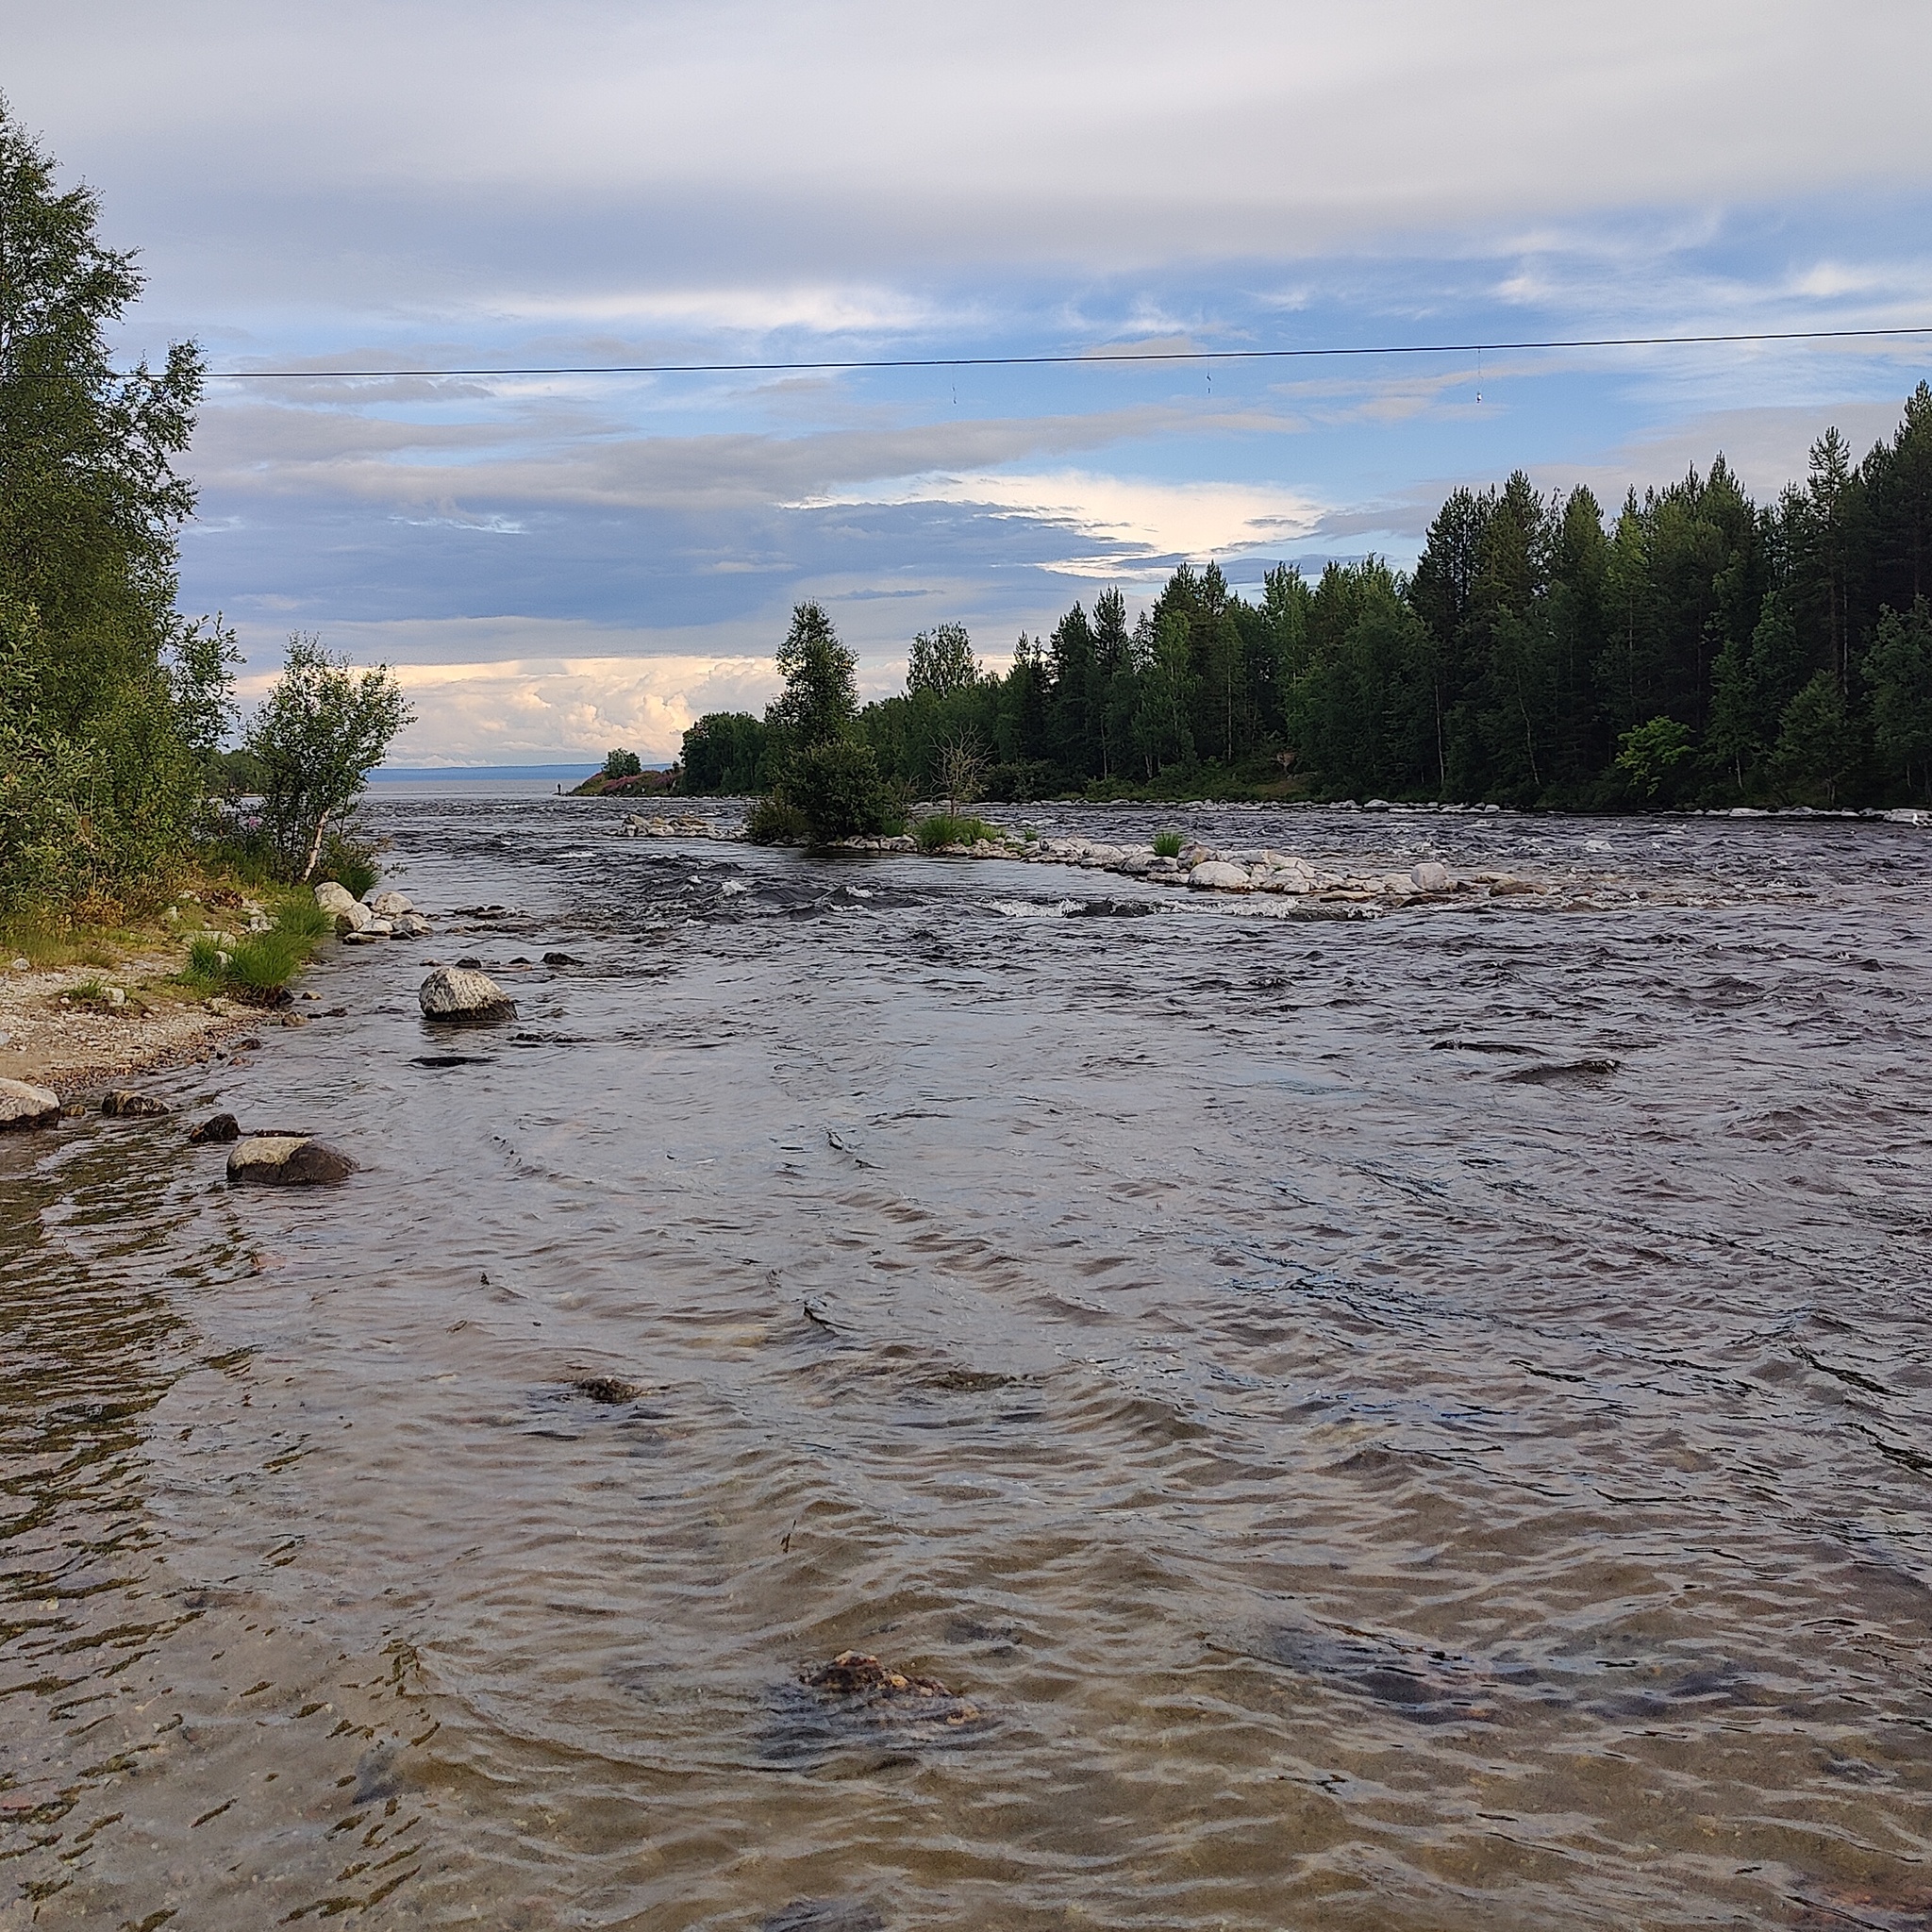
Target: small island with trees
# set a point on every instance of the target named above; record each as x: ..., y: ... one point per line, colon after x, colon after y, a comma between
x: 1697, y: 650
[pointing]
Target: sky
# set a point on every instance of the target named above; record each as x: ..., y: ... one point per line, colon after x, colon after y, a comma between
x: 558, y: 565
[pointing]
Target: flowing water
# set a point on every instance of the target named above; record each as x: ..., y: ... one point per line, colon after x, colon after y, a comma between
x: 1410, y: 1424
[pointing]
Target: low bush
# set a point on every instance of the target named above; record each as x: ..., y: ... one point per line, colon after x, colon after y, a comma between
x: 1167, y: 844
x: 952, y: 828
x: 772, y: 822
x: 350, y: 863
x: 837, y: 788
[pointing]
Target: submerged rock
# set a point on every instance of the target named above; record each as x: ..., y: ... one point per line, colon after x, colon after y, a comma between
x: 606, y: 1389
x: 125, y: 1104
x: 217, y: 1127
x: 289, y: 1160
x: 859, y: 1678
x: 460, y: 997
x: 824, y: 1915
x: 22, y: 1105
x: 855, y: 1701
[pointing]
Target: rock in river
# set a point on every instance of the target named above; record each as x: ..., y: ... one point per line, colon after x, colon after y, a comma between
x: 1217, y: 876
x: 456, y: 995
x: 218, y: 1126
x: 390, y: 904
x: 289, y: 1160
x: 23, y: 1106
x: 123, y: 1103
x: 334, y: 898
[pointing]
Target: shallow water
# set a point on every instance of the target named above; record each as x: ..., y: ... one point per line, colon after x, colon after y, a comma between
x: 1396, y: 1424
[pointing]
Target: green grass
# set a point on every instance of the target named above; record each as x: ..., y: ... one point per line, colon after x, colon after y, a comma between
x: 261, y: 963
x: 1167, y: 844
x: 950, y: 828
x: 42, y: 943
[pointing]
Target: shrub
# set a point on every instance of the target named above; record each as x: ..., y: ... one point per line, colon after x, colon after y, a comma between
x: 949, y: 828
x: 837, y: 788
x: 350, y: 863
x: 205, y: 960
x: 1167, y: 844
x: 772, y: 822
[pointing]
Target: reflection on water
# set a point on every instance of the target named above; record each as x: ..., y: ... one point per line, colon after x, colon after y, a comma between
x: 1410, y: 1424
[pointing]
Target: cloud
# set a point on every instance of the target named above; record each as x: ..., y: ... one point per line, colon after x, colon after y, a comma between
x: 1138, y: 524
x: 512, y: 710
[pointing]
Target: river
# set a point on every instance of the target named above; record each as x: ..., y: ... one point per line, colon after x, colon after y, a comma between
x: 1406, y: 1423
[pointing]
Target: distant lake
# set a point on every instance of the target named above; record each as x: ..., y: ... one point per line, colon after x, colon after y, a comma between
x: 483, y: 781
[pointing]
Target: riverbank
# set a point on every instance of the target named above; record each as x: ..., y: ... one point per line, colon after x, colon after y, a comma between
x: 104, y: 1004
x: 56, y: 1032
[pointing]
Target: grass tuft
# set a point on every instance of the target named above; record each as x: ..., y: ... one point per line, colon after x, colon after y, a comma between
x: 951, y: 828
x: 1167, y: 844
x: 261, y: 963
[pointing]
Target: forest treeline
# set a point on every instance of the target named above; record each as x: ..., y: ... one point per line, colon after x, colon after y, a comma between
x: 1697, y: 648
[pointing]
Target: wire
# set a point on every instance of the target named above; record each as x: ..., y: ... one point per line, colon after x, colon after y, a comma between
x: 831, y: 364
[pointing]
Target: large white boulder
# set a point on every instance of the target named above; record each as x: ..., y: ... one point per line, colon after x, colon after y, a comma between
x: 1218, y: 875
x: 456, y: 995
x: 289, y: 1160
x: 334, y: 898
x: 388, y: 905
x: 1431, y: 876
x: 22, y: 1105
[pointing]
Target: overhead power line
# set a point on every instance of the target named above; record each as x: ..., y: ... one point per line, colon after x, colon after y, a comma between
x: 1075, y: 357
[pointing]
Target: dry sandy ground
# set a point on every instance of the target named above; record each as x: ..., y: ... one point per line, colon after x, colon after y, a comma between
x: 78, y: 1048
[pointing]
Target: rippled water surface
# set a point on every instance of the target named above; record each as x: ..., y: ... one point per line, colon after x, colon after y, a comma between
x: 1413, y: 1423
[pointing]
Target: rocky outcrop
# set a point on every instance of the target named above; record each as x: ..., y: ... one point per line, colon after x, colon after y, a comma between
x: 125, y: 1104
x: 289, y: 1160
x: 22, y: 1105
x: 460, y: 997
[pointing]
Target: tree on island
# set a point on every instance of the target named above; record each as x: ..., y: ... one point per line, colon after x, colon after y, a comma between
x: 828, y: 784
x: 317, y: 735
x: 619, y: 763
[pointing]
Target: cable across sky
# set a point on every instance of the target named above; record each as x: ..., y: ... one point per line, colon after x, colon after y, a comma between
x: 822, y: 365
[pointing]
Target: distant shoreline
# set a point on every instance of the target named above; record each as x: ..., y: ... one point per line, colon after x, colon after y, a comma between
x: 417, y: 775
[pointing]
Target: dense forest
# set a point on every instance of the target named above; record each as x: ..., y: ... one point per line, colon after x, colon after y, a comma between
x: 109, y: 703
x: 1697, y: 649
x: 114, y: 707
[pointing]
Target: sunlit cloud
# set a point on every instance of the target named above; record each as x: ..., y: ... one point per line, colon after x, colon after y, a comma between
x: 1142, y: 523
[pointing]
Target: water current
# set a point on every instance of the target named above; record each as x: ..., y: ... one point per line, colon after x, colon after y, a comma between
x: 1406, y: 1423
